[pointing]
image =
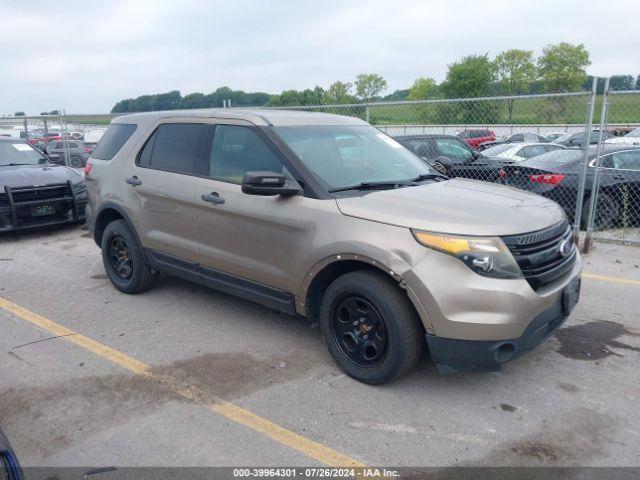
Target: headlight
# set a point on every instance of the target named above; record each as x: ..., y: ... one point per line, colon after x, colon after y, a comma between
x: 487, y: 256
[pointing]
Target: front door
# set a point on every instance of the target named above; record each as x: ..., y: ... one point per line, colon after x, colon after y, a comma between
x: 248, y: 236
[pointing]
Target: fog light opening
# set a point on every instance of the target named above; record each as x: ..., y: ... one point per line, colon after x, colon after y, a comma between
x: 504, y: 352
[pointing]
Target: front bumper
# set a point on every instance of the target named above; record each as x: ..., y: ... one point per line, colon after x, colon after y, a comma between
x: 453, y: 355
x: 16, y: 204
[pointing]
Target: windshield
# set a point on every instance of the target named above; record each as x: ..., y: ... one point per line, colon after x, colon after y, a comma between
x: 634, y: 133
x: 497, y: 150
x: 20, y: 153
x: 348, y: 155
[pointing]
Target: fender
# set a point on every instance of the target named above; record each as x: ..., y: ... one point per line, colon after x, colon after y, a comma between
x: 303, y: 293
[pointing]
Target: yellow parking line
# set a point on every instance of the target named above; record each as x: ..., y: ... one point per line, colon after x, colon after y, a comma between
x: 231, y: 411
x: 606, y: 278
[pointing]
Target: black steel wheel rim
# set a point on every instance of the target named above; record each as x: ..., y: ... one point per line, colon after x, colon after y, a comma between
x: 359, y: 330
x: 120, y: 257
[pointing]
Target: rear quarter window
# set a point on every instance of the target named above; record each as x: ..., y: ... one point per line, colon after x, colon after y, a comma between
x: 113, y: 140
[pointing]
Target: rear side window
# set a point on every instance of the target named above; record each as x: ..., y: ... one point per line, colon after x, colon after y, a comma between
x: 113, y: 140
x: 175, y: 147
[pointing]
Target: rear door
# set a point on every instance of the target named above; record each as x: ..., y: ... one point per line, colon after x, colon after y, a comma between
x: 250, y: 237
x: 162, y: 183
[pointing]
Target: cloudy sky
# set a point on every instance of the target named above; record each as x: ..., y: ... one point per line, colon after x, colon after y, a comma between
x: 86, y: 55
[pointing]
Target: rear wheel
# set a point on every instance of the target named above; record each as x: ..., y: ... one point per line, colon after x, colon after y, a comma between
x: 606, y: 212
x: 370, y: 327
x: 123, y: 259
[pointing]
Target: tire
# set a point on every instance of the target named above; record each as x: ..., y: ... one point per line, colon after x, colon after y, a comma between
x: 128, y: 272
x: 367, y: 298
x: 607, y: 212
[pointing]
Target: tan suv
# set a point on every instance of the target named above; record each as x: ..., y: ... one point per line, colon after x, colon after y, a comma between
x: 326, y: 217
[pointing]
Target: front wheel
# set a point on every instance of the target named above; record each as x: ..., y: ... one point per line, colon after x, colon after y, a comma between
x: 370, y: 327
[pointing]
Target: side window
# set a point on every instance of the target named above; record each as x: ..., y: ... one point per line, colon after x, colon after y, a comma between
x: 626, y: 160
x: 237, y: 150
x: 518, y: 137
x: 532, y: 151
x: 453, y: 149
x: 113, y: 140
x: 550, y: 147
x: 175, y: 147
x: 422, y: 148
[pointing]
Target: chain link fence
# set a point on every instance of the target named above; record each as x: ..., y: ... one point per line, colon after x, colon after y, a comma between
x: 68, y: 140
x: 547, y: 144
x: 615, y: 171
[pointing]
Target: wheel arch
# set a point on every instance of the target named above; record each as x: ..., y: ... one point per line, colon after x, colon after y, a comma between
x: 107, y: 213
x: 326, y: 271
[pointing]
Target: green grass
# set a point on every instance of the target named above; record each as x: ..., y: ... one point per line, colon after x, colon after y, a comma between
x: 623, y: 108
x: 526, y: 111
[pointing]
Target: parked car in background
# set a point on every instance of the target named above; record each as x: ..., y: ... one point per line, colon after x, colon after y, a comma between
x: 89, y: 147
x: 35, y: 192
x: 45, y: 137
x: 556, y: 175
x: 521, y: 151
x: 72, y: 150
x: 619, y: 131
x: 453, y: 157
x: 513, y: 138
x: 578, y: 139
x: 476, y: 136
x: 631, y: 138
x: 551, y: 136
x: 326, y: 217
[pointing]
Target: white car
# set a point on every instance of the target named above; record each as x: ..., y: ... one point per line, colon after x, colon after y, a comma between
x: 631, y: 138
x: 521, y: 151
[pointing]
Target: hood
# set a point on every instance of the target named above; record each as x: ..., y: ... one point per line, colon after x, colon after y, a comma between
x: 27, y: 175
x: 458, y: 206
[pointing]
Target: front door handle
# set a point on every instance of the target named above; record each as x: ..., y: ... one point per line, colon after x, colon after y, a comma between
x: 135, y: 181
x: 213, y: 197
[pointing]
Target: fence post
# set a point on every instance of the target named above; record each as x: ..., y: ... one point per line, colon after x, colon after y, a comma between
x: 26, y: 129
x: 366, y: 114
x: 593, y: 199
x: 583, y: 174
x: 46, y: 128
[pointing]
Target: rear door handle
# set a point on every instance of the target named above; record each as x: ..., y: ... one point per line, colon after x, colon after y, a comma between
x: 213, y: 197
x: 135, y: 181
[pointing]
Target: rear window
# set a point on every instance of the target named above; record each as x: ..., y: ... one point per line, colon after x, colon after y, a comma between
x: 113, y: 140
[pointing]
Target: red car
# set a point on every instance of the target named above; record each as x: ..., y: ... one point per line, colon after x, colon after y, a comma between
x: 476, y: 136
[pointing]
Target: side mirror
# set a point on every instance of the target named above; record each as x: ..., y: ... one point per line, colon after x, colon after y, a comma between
x: 267, y: 183
x: 446, y: 161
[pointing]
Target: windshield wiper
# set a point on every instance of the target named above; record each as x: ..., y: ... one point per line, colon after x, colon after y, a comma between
x: 368, y: 186
x: 427, y: 176
x: 391, y: 184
